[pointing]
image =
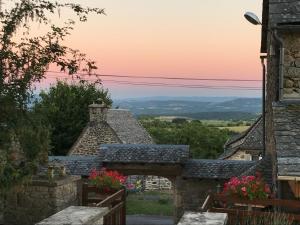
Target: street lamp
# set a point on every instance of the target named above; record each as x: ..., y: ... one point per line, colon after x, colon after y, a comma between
x: 252, y: 18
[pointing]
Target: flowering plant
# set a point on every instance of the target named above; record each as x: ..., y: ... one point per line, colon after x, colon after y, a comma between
x: 250, y: 187
x: 107, y: 181
x: 134, y: 187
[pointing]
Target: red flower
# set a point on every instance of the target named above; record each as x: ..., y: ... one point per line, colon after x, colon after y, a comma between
x: 248, y: 187
x: 107, y: 180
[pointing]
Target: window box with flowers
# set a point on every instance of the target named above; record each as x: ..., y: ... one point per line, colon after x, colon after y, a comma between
x: 247, y: 187
x: 106, y: 181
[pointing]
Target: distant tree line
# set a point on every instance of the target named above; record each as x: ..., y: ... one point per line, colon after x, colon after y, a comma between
x: 204, y: 141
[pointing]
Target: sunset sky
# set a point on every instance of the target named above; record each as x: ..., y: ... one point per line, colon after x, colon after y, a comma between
x: 171, y: 38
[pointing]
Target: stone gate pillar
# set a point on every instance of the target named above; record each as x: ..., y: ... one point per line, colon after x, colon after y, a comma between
x: 178, y: 185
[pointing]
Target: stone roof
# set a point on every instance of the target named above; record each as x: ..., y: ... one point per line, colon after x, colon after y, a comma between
x: 118, y: 127
x: 215, y: 169
x: 251, y: 139
x: 77, y: 165
x: 277, y: 13
x: 127, y: 128
x: 287, y: 138
x: 144, y: 153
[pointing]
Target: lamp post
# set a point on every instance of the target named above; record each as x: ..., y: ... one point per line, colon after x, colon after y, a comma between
x: 252, y: 18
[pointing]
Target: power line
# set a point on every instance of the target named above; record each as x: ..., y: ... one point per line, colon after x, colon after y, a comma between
x: 176, y: 85
x: 162, y: 77
x: 172, y: 85
x: 184, y: 85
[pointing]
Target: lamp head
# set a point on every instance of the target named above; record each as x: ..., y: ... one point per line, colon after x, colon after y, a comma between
x: 252, y: 18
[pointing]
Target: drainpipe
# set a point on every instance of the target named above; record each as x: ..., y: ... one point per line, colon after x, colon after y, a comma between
x: 279, y: 40
x: 262, y: 58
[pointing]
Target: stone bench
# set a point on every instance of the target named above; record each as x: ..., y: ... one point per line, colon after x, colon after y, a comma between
x: 203, y: 218
x: 77, y: 215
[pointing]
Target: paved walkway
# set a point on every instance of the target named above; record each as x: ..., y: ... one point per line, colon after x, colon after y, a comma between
x: 148, y: 220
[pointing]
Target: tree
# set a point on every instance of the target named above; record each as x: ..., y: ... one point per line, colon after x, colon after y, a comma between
x: 65, y: 108
x: 205, y: 142
x: 23, y: 62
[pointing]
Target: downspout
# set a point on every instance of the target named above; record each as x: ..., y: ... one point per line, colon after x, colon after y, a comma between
x: 262, y: 58
x: 280, y: 84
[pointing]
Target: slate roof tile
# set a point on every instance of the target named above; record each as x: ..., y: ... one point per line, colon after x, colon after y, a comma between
x: 215, y: 169
x: 144, y: 153
x: 77, y: 165
x: 251, y: 139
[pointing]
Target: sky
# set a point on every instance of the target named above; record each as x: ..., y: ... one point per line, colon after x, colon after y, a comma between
x: 171, y: 38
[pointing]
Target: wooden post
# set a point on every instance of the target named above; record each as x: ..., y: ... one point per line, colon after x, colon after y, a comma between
x: 123, y: 212
x: 84, y: 194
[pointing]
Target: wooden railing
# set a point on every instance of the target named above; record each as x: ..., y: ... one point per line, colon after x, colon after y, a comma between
x: 91, y: 196
x: 242, y: 209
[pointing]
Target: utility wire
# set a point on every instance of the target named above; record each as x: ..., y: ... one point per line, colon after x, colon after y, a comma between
x: 161, y: 77
x: 169, y: 84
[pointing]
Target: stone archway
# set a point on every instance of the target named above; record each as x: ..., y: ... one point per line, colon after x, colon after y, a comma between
x: 157, y: 160
x: 171, y: 172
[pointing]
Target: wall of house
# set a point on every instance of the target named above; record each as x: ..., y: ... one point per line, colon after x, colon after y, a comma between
x: 90, y: 140
x: 291, y: 70
x: 240, y: 155
x: 287, y: 11
x: 39, y: 200
x: 153, y: 183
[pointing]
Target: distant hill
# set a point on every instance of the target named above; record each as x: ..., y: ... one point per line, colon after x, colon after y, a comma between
x: 221, y: 116
x: 197, y: 108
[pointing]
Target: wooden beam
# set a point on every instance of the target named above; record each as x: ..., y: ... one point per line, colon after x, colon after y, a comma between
x: 291, y: 178
x: 163, y: 170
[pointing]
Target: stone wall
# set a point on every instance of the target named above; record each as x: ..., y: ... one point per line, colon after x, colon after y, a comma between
x: 157, y: 183
x: 291, y: 70
x: 89, y: 141
x: 240, y: 155
x: 77, y: 215
x: 190, y: 194
x: 1, y: 210
x: 39, y: 200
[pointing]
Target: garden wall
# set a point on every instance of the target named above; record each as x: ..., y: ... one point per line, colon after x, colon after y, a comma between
x: 39, y: 200
x: 190, y: 194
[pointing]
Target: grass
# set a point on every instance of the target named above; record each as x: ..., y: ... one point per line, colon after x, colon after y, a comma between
x: 150, y: 203
x: 237, y: 129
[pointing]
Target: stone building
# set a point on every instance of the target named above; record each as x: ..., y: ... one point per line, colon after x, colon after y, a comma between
x: 108, y: 126
x: 247, y: 145
x: 281, y: 43
x: 115, y: 126
x: 192, y: 179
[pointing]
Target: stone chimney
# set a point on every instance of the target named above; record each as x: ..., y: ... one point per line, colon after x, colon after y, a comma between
x: 98, y: 111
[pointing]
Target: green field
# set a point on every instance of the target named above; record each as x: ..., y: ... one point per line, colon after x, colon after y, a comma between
x: 236, y: 129
x: 150, y: 203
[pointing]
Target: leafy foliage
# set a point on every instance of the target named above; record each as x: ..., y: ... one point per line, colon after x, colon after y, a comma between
x: 205, y: 142
x: 107, y: 180
x: 65, y: 108
x: 24, y: 61
x: 249, y: 187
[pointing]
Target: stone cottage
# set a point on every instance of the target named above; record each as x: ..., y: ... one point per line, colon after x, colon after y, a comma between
x: 115, y: 126
x: 281, y: 43
x: 247, y: 145
x: 109, y: 126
